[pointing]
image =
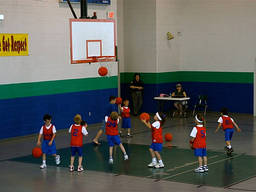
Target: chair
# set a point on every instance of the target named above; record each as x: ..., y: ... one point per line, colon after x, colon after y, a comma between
x: 185, y: 107
x: 201, y: 104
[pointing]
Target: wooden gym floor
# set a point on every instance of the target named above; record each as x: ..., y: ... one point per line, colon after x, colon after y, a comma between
x: 20, y: 172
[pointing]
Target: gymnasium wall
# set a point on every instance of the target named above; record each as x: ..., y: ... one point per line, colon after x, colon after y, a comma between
x: 46, y: 81
x: 213, y: 53
x: 139, y: 35
x: 222, y: 88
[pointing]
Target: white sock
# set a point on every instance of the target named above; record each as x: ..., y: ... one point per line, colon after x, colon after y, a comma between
x: 44, y: 162
x: 110, y: 157
x: 160, y: 161
x: 229, y: 146
x: 153, y: 160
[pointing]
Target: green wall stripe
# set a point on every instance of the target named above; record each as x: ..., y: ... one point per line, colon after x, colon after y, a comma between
x: 56, y: 87
x: 192, y: 76
x: 151, y: 78
x: 217, y: 77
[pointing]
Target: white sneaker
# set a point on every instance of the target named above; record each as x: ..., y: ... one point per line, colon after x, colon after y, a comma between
x: 126, y: 157
x: 43, y: 166
x: 71, y: 168
x: 205, y: 168
x: 199, y: 170
x: 80, y: 169
x: 110, y: 161
x: 57, y: 159
x: 152, y: 164
x: 159, y: 165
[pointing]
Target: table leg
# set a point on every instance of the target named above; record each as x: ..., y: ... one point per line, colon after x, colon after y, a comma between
x: 161, y: 105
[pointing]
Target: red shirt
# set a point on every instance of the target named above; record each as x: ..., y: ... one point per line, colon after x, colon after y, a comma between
x: 227, y: 123
x: 111, y: 127
x: 200, y: 139
x: 48, y: 133
x: 126, y: 112
x: 156, y: 129
x: 76, y: 136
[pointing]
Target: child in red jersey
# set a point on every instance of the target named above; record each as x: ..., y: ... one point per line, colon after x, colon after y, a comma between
x: 198, y: 143
x: 126, y: 120
x: 111, y: 106
x: 77, y: 130
x: 48, y: 132
x: 227, y: 124
x: 157, y: 140
x: 112, y: 135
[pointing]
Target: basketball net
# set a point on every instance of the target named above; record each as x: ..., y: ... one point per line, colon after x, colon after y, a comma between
x: 94, y: 59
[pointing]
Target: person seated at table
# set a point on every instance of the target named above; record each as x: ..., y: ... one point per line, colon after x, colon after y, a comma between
x: 180, y: 105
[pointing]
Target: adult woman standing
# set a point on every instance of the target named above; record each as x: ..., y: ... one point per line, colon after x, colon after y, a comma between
x: 137, y: 87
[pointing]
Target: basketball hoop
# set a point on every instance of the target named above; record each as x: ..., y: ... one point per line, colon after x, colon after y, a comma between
x: 99, y: 41
x: 94, y: 59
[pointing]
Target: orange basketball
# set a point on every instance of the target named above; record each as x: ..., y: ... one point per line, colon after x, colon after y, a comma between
x: 103, y: 71
x: 144, y: 116
x: 119, y: 100
x: 37, y: 152
x: 168, y: 137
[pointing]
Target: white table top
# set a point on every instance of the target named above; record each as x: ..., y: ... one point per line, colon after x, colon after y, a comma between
x: 172, y: 98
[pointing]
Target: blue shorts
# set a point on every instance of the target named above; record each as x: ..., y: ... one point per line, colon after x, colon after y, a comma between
x: 200, y: 152
x: 75, y: 150
x: 126, y: 122
x: 156, y: 147
x: 48, y: 150
x: 113, y: 140
x: 228, y: 134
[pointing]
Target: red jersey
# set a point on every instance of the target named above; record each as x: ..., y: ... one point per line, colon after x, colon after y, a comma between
x: 227, y: 123
x: 76, y: 136
x: 126, y: 112
x: 157, y: 136
x: 48, y: 133
x: 200, y: 139
x: 111, y: 127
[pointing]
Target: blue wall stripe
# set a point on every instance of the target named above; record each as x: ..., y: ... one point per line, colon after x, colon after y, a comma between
x: 23, y: 116
x: 238, y: 97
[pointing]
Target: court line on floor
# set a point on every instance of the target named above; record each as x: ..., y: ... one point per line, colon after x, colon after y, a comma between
x: 240, y: 189
x: 185, y: 165
x: 149, y: 131
x: 177, y: 174
x: 242, y: 180
x: 188, y: 164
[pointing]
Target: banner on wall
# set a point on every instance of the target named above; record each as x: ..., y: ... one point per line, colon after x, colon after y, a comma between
x: 15, y: 44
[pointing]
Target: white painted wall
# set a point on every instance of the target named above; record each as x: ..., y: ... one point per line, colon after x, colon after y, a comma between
x: 167, y: 20
x: 139, y: 36
x: 210, y: 35
x: 120, y: 34
x: 47, y: 23
x: 218, y: 35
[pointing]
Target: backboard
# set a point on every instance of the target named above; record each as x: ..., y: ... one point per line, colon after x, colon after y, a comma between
x: 92, y: 40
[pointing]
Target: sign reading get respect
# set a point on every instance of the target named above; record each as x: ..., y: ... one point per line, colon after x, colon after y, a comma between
x: 13, y: 44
